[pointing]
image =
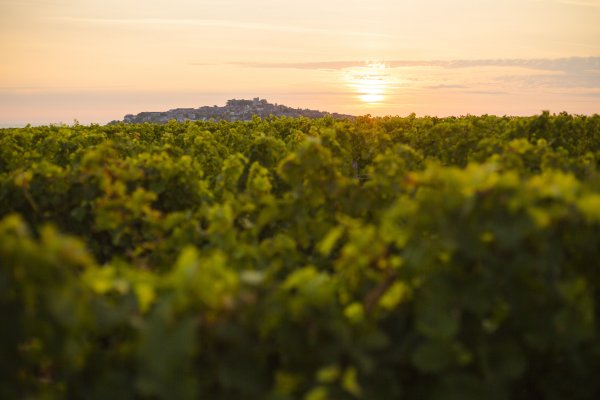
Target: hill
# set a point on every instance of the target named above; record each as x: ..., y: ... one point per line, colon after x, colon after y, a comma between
x: 234, y: 110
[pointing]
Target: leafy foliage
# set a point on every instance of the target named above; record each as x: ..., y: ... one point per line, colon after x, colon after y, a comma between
x: 378, y: 258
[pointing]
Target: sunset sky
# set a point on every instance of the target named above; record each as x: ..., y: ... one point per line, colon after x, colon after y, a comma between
x: 95, y: 60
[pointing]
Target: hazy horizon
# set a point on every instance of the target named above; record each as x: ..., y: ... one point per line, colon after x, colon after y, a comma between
x: 97, y: 61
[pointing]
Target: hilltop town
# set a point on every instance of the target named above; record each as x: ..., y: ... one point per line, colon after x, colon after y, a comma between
x: 234, y: 110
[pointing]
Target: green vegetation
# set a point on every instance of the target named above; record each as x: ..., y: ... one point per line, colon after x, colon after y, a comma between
x: 380, y: 258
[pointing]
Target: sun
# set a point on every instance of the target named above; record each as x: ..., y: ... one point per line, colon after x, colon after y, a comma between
x: 371, y: 82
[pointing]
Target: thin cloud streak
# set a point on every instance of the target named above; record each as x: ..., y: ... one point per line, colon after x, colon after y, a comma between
x: 326, y: 65
x: 488, y: 92
x: 583, y: 3
x: 580, y: 3
x: 546, y: 64
x: 574, y: 64
x: 334, y: 65
x: 445, y: 86
x: 218, y: 23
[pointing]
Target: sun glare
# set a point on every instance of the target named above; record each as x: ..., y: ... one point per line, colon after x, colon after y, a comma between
x: 371, y: 82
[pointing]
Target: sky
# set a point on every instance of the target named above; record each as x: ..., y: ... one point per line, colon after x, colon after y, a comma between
x: 95, y: 61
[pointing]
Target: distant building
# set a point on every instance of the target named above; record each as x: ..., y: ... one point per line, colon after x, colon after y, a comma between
x: 234, y: 110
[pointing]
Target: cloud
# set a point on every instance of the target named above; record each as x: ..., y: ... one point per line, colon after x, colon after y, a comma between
x: 583, y: 3
x: 488, y: 92
x: 562, y: 73
x: 445, y: 86
x: 572, y: 64
x: 326, y: 65
x: 545, y: 72
x: 219, y: 23
x: 583, y: 72
x: 580, y: 3
x: 335, y: 65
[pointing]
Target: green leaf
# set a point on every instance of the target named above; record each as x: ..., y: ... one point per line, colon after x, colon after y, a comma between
x: 433, y: 356
x: 329, y: 241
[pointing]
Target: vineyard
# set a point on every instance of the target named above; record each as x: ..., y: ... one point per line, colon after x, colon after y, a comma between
x: 289, y: 258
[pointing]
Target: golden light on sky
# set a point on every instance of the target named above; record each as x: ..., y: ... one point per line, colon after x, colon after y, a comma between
x: 97, y: 60
x: 371, y: 82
